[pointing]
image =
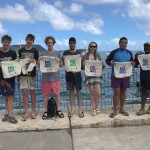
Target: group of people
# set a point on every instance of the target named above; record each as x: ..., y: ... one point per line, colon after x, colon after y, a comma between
x: 51, y: 80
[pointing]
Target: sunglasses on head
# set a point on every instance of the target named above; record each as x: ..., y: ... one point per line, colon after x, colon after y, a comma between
x: 92, y: 46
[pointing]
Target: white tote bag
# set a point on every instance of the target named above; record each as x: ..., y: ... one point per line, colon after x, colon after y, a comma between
x: 122, y: 69
x: 144, y: 61
x: 93, y: 68
x: 26, y: 66
x: 11, y: 68
x: 72, y: 63
x: 49, y: 64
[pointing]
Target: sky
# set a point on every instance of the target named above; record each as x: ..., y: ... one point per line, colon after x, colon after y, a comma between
x: 102, y: 21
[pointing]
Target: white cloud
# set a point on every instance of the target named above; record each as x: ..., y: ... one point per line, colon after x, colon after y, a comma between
x: 76, y: 8
x: 38, y: 36
x: 95, y: 2
x: 16, y: 13
x: 43, y: 11
x: 115, y: 41
x: 92, y: 26
x: 58, y: 4
x: 2, y: 30
x: 63, y: 42
x: 84, y: 43
x: 119, y: 11
x: 145, y: 27
x: 132, y: 43
x: 139, y: 10
x: 22, y: 42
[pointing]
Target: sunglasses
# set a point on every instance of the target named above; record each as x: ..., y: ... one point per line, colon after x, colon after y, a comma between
x: 92, y: 46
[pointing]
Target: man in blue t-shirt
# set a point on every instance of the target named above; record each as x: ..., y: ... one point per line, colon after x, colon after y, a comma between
x: 144, y: 81
x: 119, y: 85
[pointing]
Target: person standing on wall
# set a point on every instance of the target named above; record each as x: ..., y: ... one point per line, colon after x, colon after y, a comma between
x: 119, y: 85
x: 7, y: 86
x: 144, y: 80
x: 93, y: 82
x: 51, y: 80
x: 28, y: 81
x: 74, y: 80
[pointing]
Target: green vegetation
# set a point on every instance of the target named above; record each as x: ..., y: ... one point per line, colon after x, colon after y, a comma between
x: 38, y: 47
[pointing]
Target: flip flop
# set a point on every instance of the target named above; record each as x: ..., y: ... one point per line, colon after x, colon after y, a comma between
x: 112, y: 115
x: 44, y: 117
x: 33, y: 116
x: 98, y: 112
x: 124, y: 113
x: 25, y: 118
x: 60, y: 114
x: 81, y: 115
x: 70, y: 114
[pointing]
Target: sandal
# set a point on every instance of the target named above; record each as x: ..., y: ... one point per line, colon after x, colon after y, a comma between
x: 5, y: 118
x: 112, y: 115
x: 45, y: 115
x: 81, y: 115
x: 93, y: 113
x: 70, y: 114
x: 12, y: 119
x: 124, y: 113
x: 98, y: 111
x: 60, y: 114
x: 25, y: 118
x: 33, y: 116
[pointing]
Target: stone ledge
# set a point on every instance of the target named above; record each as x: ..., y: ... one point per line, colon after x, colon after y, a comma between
x: 100, y: 121
x: 34, y: 124
x: 103, y: 120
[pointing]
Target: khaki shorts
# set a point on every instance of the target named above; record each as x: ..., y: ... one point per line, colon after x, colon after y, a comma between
x: 27, y: 82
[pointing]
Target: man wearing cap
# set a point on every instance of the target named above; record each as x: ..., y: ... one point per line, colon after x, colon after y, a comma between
x: 73, y: 80
x: 144, y: 81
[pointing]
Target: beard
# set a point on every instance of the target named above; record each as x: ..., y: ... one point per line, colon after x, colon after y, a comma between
x: 72, y: 48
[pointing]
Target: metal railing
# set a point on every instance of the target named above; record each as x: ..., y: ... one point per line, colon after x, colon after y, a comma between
x: 132, y: 94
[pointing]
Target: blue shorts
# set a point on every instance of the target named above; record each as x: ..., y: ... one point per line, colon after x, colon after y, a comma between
x: 7, y: 88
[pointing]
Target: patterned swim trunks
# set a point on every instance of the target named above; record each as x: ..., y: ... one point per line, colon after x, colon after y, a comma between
x: 7, y: 88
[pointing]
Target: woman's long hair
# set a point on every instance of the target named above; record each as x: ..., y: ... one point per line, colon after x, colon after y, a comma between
x: 95, y: 52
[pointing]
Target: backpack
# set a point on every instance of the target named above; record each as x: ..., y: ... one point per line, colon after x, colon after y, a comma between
x: 51, y: 108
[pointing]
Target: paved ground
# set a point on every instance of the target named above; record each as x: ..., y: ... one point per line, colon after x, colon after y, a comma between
x: 120, y: 138
x: 46, y: 140
x: 88, y: 133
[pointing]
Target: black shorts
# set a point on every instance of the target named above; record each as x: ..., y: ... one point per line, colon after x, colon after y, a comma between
x: 145, y: 84
x: 73, y: 80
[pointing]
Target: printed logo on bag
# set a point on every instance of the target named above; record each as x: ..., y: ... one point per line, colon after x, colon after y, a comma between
x: 11, y: 69
x: 122, y: 70
x: 145, y: 62
x: 27, y: 65
x: 48, y: 63
x: 72, y: 62
x: 92, y: 69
